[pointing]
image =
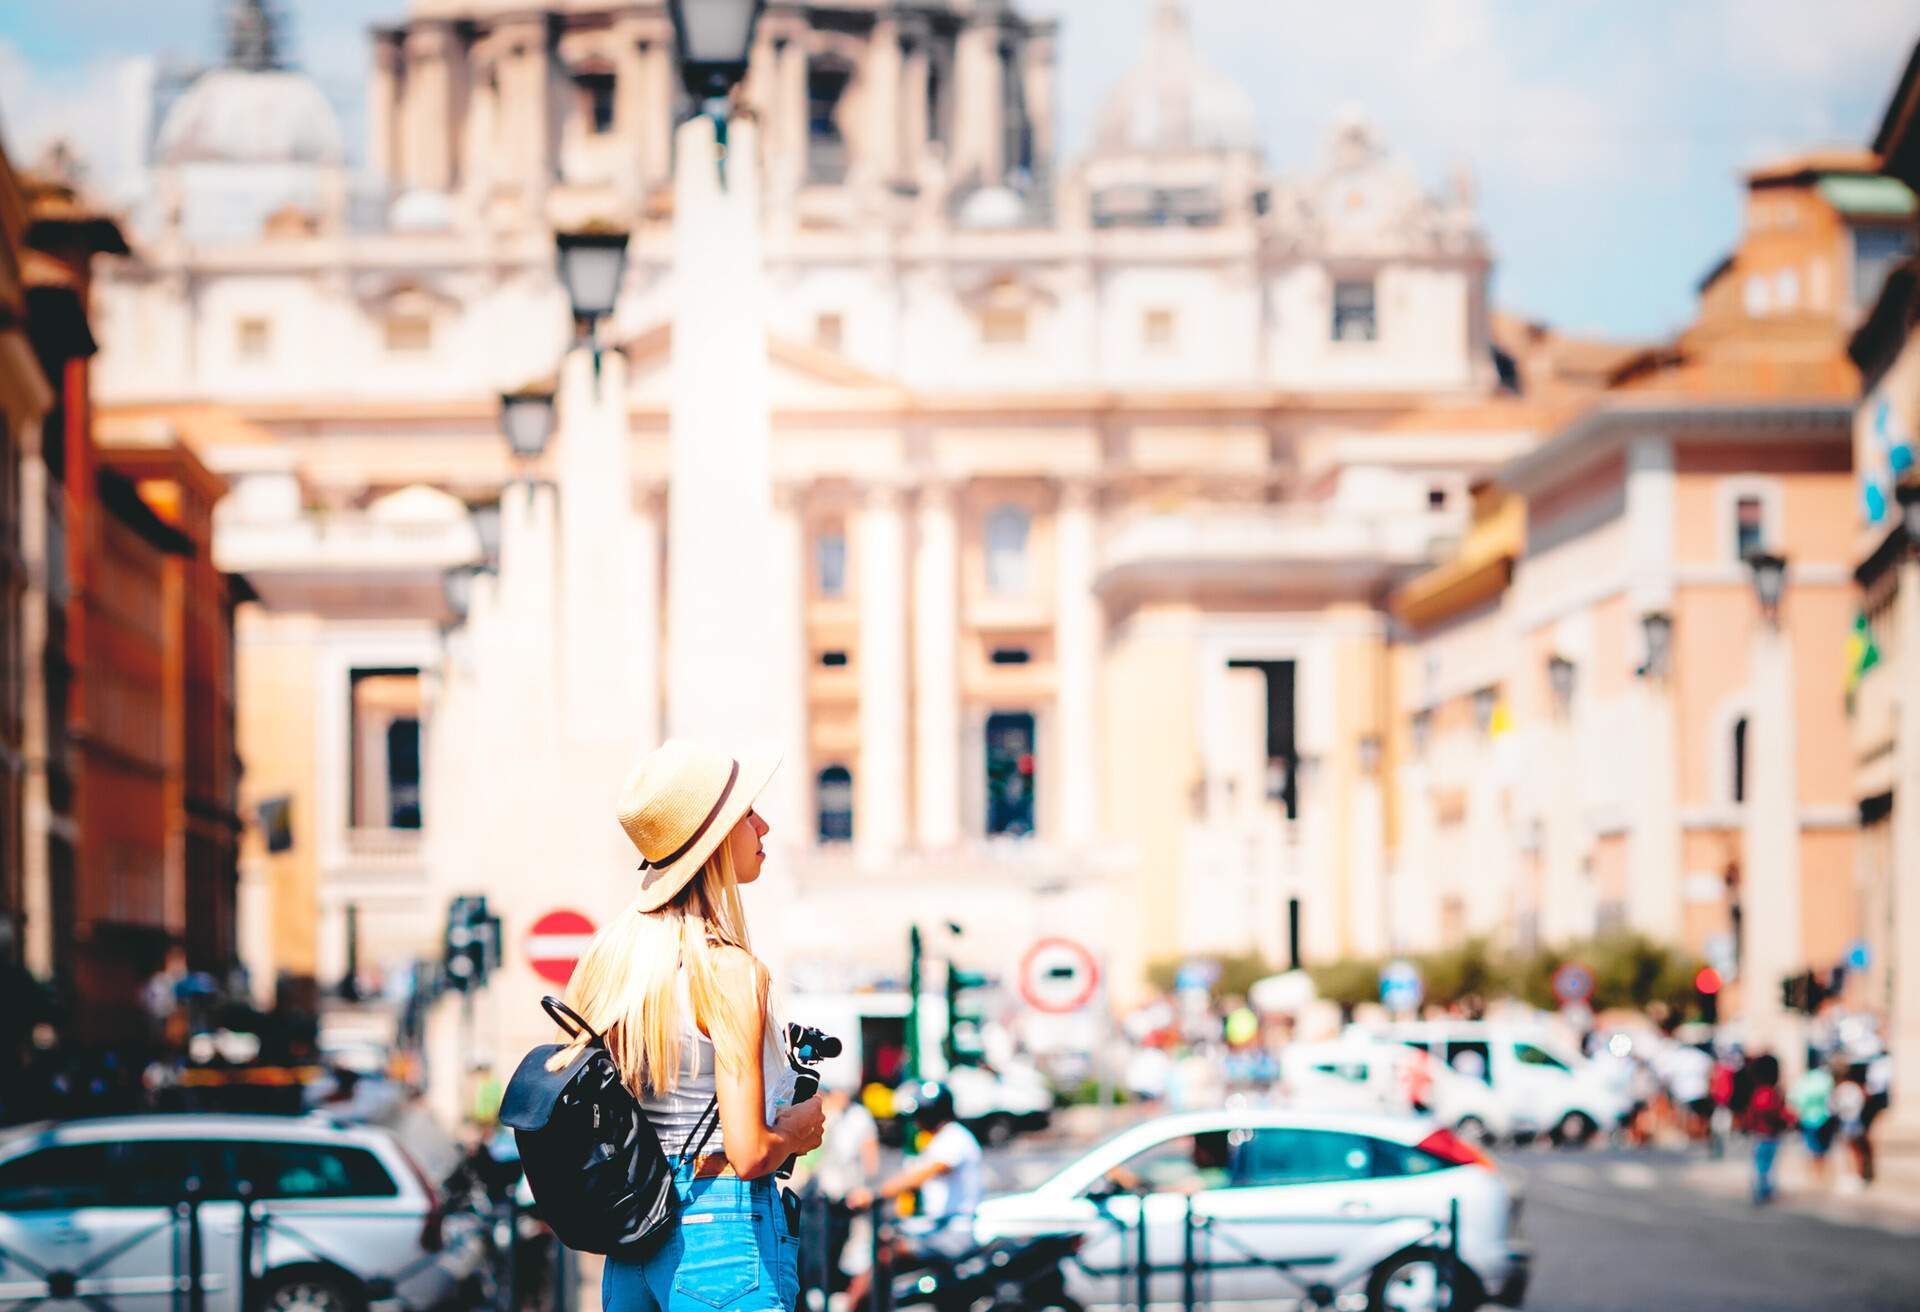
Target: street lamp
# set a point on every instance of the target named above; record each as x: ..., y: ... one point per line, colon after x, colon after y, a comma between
x: 1560, y: 676
x: 1656, y: 630
x: 714, y: 39
x: 592, y: 264
x: 526, y: 419
x: 486, y: 527
x: 456, y: 586
x: 1769, y: 582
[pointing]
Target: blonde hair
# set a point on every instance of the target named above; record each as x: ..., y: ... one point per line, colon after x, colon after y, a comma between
x: 625, y: 983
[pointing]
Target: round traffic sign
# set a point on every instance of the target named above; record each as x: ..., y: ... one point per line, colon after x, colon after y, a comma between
x: 555, y: 942
x: 1572, y: 983
x: 1058, y: 975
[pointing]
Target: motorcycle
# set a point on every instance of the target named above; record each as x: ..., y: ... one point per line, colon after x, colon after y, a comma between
x: 1007, y: 1275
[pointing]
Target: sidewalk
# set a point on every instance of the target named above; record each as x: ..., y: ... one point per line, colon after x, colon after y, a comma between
x: 1892, y: 1201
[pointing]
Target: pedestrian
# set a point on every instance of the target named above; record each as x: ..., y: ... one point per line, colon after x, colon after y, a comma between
x: 682, y: 1002
x: 1812, y: 1100
x: 1849, y: 1103
x: 848, y: 1160
x: 950, y: 1177
x: 1878, y: 1085
x: 1768, y: 1117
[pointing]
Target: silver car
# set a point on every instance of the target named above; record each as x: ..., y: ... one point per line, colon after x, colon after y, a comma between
x: 342, y: 1218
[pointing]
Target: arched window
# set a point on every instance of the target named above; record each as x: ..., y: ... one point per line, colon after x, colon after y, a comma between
x: 1740, y: 759
x: 1007, y: 550
x: 834, y: 799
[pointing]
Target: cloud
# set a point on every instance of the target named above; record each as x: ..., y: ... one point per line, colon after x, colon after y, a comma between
x: 93, y: 109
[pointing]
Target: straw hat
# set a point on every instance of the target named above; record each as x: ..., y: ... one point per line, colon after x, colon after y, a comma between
x: 681, y: 802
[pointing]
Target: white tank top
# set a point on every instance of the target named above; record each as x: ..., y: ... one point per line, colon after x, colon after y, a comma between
x: 675, y: 1115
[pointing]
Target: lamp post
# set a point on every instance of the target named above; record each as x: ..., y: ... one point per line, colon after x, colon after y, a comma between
x: 1770, y: 931
x: 1656, y: 632
x: 526, y: 421
x: 714, y: 40
x: 592, y: 264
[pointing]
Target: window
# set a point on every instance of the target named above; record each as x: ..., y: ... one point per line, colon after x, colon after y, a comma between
x: 1157, y: 328
x: 1740, y: 759
x: 1010, y: 775
x: 833, y: 660
x: 1875, y: 253
x: 312, y: 1170
x: 1003, y: 325
x: 827, y: 81
x: 830, y: 564
x: 252, y: 339
x: 1283, y: 1157
x: 596, y: 100
x: 834, y: 799
x: 828, y: 330
x: 1010, y: 656
x: 384, y: 784
x: 1786, y: 289
x: 1759, y: 296
x: 1184, y: 1164
x: 1529, y: 1055
x: 1353, y: 317
x: 1006, y: 543
x: 56, y: 1179
x: 1436, y: 497
x: 1749, y: 527
x: 1471, y: 1058
x: 409, y: 333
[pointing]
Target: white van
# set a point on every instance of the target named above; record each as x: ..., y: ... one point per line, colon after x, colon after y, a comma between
x: 1540, y: 1087
x: 1362, y: 1070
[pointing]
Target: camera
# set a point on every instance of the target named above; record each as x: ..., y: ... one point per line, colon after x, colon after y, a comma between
x: 806, y: 1049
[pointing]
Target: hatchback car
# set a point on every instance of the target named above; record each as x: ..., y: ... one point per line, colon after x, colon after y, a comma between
x: 343, y: 1219
x: 1347, y: 1210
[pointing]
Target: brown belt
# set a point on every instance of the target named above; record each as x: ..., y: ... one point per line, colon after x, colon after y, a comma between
x: 711, y: 1165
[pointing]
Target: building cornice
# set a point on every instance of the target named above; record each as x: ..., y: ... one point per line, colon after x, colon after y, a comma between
x: 1607, y: 429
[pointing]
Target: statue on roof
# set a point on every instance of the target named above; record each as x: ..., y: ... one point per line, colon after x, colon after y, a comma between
x: 253, y: 36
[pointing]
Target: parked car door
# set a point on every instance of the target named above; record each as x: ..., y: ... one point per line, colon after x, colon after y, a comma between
x: 1151, y: 1188
x: 99, y: 1220
x: 1541, y: 1083
x: 333, y: 1203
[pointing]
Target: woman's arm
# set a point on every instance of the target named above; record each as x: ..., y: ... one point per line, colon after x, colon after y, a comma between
x: 753, y: 1147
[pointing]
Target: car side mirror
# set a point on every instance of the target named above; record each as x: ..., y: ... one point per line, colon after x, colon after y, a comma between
x: 1105, y: 1188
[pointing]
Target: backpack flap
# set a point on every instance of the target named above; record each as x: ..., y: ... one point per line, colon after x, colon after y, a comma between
x: 534, y: 1091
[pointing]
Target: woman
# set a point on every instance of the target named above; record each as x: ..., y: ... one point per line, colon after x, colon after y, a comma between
x: 1768, y: 1117
x: 673, y: 985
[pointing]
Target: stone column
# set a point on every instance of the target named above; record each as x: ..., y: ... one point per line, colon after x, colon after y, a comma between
x: 1654, y: 842
x: 936, y: 651
x: 1039, y: 78
x: 789, y: 809
x: 1366, y: 855
x: 430, y: 108
x: 720, y: 591
x: 526, y: 108
x: 1770, y: 941
x: 383, y: 107
x: 913, y: 100
x: 880, y: 799
x: 879, y: 159
x: 1903, y: 1021
x: 1076, y: 639
x: 789, y: 160
x: 980, y: 104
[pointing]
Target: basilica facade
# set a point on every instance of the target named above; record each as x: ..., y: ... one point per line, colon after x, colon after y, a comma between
x: 1091, y: 476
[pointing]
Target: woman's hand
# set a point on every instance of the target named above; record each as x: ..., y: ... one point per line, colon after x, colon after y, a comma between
x: 802, y: 1125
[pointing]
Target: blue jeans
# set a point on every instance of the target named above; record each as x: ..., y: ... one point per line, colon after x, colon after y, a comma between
x: 1764, y: 1151
x: 731, y: 1251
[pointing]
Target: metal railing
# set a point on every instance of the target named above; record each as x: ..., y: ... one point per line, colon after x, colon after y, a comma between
x: 1209, y: 1245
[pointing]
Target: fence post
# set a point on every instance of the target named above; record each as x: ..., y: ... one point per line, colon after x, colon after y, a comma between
x: 506, y: 1293
x: 1453, y: 1248
x: 248, y: 1236
x: 1188, y: 1267
x: 1142, y: 1254
x: 880, y: 1289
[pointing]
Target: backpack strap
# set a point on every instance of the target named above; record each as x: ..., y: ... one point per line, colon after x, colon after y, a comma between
x: 692, y: 1149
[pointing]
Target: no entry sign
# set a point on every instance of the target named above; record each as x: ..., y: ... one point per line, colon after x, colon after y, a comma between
x: 555, y: 942
x: 1058, y: 975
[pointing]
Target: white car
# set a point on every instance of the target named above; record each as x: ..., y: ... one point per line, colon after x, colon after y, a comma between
x: 1360, y: 1073
x: 1342, y: 1210
x: 1541, y: 1087
x: 995, y: 1103
x: 344, y: 1219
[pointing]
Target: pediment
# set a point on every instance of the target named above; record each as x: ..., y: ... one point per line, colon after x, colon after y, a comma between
x: 803, y: 375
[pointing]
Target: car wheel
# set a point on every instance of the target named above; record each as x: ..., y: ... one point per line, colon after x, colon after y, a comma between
x: 997, y: 1129
x: 307, y: 1291
x: 1474, y: 1131
x: 1575, y: 1130
x: 1413, y: 1282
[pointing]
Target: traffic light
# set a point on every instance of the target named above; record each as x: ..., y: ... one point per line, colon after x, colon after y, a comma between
x: 1706, y: 991
x: 1803, y: 992
x: 472, y: 951
x: 962, y: 1044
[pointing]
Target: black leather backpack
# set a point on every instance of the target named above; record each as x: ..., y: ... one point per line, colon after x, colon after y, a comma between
x: 599, y: 1177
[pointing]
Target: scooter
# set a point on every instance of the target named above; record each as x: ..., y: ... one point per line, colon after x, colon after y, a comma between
x: 1007, y: 1275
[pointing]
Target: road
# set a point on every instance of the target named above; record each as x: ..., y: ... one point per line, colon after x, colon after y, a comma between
x: 1634, y: 1231
x: 1620, y: 1231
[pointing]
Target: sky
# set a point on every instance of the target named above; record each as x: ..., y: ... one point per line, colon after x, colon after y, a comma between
x: 1606, y: 137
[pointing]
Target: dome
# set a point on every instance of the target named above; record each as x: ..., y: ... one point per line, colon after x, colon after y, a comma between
x: 246, y: 116
x: 993, y: 207
x: 1172, y: 102
x: 420, y: 211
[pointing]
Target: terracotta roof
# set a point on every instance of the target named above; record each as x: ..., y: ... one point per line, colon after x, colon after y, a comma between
x: 1825, y: 159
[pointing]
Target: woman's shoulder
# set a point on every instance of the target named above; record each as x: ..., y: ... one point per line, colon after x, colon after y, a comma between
x: 737, y: 968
